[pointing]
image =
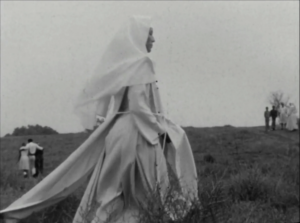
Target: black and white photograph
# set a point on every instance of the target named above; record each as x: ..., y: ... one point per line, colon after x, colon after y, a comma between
x: 149, y: 112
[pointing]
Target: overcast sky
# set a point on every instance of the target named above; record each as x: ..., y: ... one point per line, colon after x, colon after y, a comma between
x: 216, y: 62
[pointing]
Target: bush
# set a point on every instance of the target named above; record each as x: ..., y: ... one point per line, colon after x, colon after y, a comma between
x: 249, y: 185
x: 33, y: 130
x: 209, y: 158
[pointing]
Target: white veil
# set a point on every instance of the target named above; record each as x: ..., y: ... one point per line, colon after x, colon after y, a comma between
x: 293, y: 109
x: 124, y: 63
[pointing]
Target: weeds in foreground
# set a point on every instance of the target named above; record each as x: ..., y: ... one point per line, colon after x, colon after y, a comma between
x: 248, y: 183
x: 63, y: 212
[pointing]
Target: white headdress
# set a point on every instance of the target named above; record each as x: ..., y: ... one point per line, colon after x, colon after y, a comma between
x: 124, y: 63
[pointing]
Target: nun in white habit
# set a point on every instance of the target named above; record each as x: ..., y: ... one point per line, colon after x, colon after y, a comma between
x: 292, y: 118
x: 123, y: 158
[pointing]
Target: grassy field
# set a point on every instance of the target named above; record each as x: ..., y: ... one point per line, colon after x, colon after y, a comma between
x: 245, y: 175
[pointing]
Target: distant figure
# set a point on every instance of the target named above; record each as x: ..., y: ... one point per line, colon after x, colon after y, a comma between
x: 273, y: 114
x: 282, y: 115
x: 33, y: 147
x: 39, y: 161
x: 24, y: 160
x: 291, y: 124
x: 267, y: 118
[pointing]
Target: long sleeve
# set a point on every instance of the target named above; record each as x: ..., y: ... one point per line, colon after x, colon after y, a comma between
x: 39, y: 147
x: 143, y: 117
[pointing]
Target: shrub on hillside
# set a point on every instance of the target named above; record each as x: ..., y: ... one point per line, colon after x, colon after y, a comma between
x: 249, y: 185
x: 209, y: 158
x: 32, y: 130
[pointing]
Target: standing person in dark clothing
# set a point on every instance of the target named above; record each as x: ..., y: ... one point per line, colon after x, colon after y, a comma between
x: 39, y: 161
x: 267, y: 118
x: 273, y: 114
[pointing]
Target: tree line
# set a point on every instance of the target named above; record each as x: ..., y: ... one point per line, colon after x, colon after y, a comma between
x: 32, y: 130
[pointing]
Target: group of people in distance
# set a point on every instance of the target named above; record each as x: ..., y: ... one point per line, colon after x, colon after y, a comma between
x: 31, y: 159
x: 287, y: 115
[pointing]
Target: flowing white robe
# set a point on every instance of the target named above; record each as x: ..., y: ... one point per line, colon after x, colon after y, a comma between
x: 292, y: 119
x: 282, y: 115
x: 123, y: 159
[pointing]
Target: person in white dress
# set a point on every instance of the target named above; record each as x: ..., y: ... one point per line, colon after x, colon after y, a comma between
x: 24, y: 160
x: 282, y: 115
x: 292, y: 118
x: 123, y: 159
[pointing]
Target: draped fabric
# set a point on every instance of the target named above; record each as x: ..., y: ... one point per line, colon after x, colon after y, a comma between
x: 123, y: 159
x: 98, y: 156
x: 124, y: 58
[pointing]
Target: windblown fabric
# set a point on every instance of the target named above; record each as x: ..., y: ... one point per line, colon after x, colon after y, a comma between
x: 123, y: 158
x: 124, y: 63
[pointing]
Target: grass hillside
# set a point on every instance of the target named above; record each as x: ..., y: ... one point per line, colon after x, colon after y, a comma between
x: 245, y: 174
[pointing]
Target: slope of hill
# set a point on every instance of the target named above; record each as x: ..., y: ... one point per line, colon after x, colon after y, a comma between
x: 257, y: 172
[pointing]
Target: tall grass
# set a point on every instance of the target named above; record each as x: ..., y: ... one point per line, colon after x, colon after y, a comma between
x: 245, y: 176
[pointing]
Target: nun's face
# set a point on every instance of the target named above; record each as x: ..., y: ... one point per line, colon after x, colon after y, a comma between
x: 150, y: 40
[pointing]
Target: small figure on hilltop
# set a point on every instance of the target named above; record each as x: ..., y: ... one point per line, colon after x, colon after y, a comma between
x: 33, y: 148
x: 282, y: 115
x: 292, y: 118
x: 267, y: 118
x: 24, y: 160
x: 273, y: 114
